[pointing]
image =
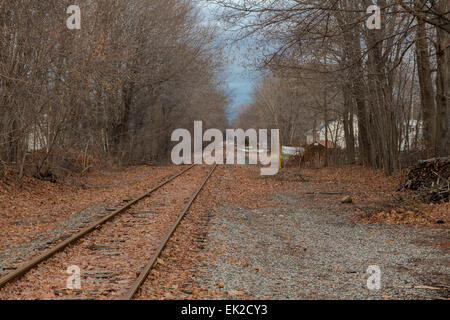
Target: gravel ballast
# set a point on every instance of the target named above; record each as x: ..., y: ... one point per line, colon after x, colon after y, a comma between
x: 291, y: 251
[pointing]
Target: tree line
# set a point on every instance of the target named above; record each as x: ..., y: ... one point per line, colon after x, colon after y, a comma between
x: 115, y: 89
x: 323, y: 63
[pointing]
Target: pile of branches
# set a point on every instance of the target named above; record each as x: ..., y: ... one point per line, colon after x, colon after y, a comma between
x: 430, y: 179
x: 59, y: 163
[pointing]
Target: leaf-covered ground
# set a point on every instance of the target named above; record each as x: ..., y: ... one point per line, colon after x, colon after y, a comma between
x: 111, y: 256
x: 38, y: 207
x: 375, y: 199
x: 246, y: 236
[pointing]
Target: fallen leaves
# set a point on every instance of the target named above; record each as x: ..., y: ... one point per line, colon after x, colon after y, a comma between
x: 123, y: 244
x: 236, y: 293
x: 39, y: 205
x: 375, y: 201
x: 416, y: 214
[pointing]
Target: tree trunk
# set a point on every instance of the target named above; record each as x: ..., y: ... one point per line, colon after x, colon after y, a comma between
x: 384, y: 122
x: 426, y: 88
x: 443, y: 89
x: 127, y: 99
x: 348, y: 126
x: 326, y: 130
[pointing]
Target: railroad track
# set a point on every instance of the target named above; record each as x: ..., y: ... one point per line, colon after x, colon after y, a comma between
x: 145, y: 222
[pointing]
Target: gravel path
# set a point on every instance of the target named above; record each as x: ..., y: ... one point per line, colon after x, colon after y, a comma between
x: 293, y: 252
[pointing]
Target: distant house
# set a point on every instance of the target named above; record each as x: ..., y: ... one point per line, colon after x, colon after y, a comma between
x: 415, y: 134
x: 292, y: 151
x: 324, y: 143
x: 313, y: 135
x: 336, y: 134
x: 36, y: 141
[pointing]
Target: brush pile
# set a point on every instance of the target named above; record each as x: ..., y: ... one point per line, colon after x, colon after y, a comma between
x: 430, y: 179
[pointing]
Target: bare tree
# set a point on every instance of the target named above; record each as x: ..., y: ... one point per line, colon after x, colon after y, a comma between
x: 113, y: 89
x: 368, y: 67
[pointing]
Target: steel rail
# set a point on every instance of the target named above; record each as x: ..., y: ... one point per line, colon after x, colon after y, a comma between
x: 21, y: 270
x: 143, y: 275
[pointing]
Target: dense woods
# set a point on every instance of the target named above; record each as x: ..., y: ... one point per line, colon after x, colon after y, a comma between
x: 113, y: 90
x: 324, y: 64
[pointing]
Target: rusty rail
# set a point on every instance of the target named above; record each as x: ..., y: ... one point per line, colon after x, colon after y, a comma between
x: 30, y: 264
x: 143, y: 275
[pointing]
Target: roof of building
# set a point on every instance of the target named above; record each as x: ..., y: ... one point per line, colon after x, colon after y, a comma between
x: 318, y: 128
x: 322, y: 143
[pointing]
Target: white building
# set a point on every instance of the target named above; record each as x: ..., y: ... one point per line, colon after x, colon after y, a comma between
x: 336, y: 134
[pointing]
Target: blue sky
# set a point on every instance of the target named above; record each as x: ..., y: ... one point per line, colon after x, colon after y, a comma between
x: 240, y: 78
